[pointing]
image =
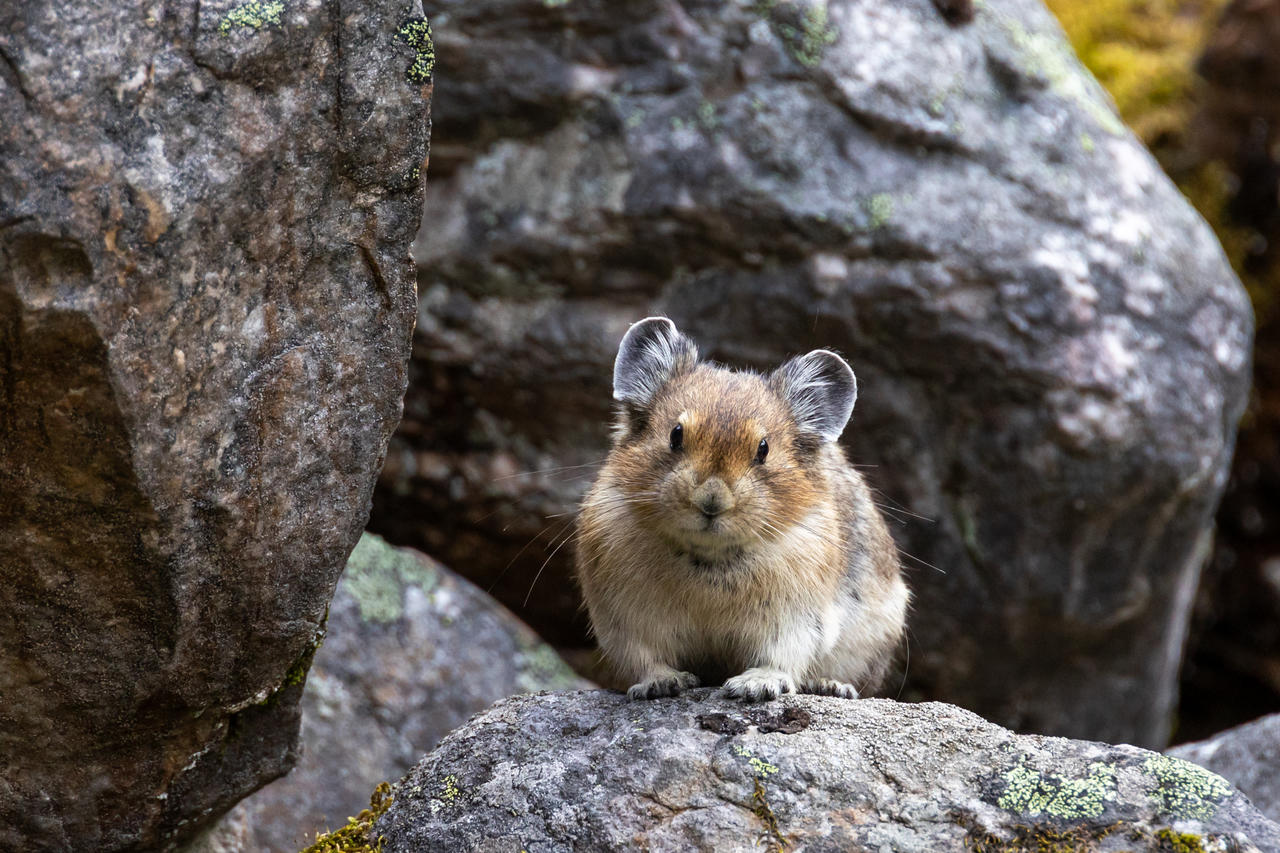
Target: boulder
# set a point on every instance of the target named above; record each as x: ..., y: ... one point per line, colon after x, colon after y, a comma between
x: 206, y: 304
x: 1248, y: 756
x: 411, y: 651
x: 1052, y: 351
x: 1232, y: 668
x: 595, y: 771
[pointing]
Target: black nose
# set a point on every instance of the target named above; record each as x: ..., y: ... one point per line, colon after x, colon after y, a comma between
x: 710, y: 506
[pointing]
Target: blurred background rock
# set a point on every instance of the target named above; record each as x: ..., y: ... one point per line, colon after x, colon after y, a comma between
x: 735, y: 168
x: 1199, y: 82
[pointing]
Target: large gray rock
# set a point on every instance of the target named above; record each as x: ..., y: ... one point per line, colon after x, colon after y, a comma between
x: 411, y: 651
x: 593, y: 771
x: 206, y: 305
x: 1248, y: 756
x: 1051, y: 349
x: 1231, y: 673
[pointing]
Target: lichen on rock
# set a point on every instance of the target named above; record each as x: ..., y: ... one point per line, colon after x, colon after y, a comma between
x: 1186, y: 791
x: 1033, y: 793
x: 205, y: 320
x: 416, y: 33
x: 377, y: 574
x: 864, y: 775
x: 253, y: 15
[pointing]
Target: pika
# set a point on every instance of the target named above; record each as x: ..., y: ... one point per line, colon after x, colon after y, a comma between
x: 727, y: 538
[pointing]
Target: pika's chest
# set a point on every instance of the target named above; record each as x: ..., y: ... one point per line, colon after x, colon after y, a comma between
x: 720, y: 601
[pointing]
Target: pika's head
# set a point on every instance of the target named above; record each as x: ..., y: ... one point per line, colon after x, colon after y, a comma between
x: 717, y: 459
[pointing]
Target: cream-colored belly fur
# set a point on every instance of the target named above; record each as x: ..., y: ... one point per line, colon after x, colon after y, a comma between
x: 786, y: 605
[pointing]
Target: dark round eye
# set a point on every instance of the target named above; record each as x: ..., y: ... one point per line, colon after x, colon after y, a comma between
x: 677, y: 437
x: 762, y: 451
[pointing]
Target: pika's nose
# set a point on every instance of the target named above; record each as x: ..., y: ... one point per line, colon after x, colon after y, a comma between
x: 712, y: 497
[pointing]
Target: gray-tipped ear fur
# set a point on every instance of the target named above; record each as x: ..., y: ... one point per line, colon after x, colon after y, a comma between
x: 820, y: 388
x: 652, y: 351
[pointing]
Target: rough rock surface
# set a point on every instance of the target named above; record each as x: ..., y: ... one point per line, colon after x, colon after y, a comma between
x: 205, y: 314
x: 595, y: 771
x: 1232, y: 670
x: 1051, y: 349
x: 411, y: 651
x: 1248, y: 756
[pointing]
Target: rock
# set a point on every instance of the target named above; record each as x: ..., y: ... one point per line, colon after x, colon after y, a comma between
x: 594, y: 771
x: 1232, y: 668
x: 1248, y: 756
x: 206, y: 306
x: 1051, y: 349
x: 411, y: 652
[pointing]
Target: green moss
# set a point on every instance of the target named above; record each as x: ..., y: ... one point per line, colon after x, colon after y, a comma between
x: 707, y: 115
x: 297, y: 673
x: 1144, y: 53
x: 1185, y: 790
x: 449, y: 789
x: 253, y: 15
x: 1031, y: 792
x: 1037, y: 838
x: 808, y: 41
x: 774, y: 838
x: 538, y: 667
x: 806, y: 34
x: 1045, y: 55
x: 377, y: 574
x: 354, y: 837
x: 1180, y: 842
x: 879, y: 209
x: 416, y: 32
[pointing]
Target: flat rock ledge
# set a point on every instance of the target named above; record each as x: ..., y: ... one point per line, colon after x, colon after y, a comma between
x: 592, y: 770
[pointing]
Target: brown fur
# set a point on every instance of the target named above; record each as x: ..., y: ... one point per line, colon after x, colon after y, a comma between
x: 794, y: 585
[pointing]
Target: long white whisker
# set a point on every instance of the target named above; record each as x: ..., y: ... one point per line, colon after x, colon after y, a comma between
x: 543, y: 566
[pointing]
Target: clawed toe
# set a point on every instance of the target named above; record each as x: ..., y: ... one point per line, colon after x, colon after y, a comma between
x: 758, y: 688
x: 829, y: 687
x: 666, y: 685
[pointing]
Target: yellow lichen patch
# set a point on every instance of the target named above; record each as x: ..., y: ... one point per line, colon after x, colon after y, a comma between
x: 416, y: 33
x: 1185, y: 790
x: 1033, y: 793
x: 253, y: 15
x: 354, y: 837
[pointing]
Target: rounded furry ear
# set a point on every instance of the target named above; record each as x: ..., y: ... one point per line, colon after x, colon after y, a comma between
x: 651, y: 352
x: 820, y: 389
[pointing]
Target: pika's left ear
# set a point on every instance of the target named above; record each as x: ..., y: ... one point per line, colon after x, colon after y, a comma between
x: 820, y: 389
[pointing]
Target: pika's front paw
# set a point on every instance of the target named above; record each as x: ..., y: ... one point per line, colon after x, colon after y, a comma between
x: 663, y: 685
x: 829, y: 687
x: 758, y: 685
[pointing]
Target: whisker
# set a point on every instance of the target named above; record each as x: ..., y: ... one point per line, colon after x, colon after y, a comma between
x: 891, y: 513
x: 549, y: 470
x: 906, y: 668
x: 900, y: 508
x: 508, y: 566
x: 922, y: 562
x: 529, y: 594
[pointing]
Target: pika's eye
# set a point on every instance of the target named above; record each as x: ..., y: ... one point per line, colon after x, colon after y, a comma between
x: 677, y: 437
x: 762, y: 451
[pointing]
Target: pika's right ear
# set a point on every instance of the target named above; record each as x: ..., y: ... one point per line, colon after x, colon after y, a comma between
x: 651, y: 353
